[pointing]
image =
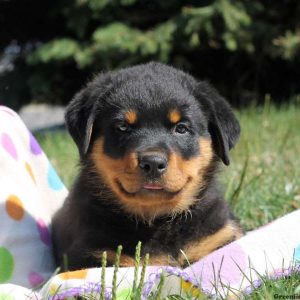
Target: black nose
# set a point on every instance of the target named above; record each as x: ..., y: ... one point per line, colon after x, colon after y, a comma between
x: 153, y: 165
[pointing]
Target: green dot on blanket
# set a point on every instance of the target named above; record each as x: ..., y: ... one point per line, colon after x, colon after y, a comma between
x: 6, y: 265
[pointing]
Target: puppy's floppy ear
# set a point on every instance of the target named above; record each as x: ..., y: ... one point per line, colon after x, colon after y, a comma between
x: 223, y: 126
x: 79, y: 116
x: 81, y: 112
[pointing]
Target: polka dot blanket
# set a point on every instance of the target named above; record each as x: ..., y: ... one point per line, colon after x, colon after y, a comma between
x: 31, y: 191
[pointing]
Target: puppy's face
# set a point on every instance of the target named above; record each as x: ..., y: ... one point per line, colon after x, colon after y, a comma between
x: 152, y: 150
x: 151, y: 140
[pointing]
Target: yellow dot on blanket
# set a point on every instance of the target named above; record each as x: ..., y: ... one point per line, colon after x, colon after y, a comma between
x: 80, y: 274
x: 14, y: 207
x: 29, y: 170
x: 189, y: 288
x: 53, y: 289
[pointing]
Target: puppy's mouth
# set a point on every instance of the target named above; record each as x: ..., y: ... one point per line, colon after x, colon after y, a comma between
x: 150, y: 189
x: 153, y: 187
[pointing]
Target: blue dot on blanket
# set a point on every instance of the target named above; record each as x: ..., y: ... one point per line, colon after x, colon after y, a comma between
x: 53, y: 180
x: 297, y: 253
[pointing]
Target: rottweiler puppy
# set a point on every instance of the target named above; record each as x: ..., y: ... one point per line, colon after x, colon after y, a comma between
x: 150, y: 139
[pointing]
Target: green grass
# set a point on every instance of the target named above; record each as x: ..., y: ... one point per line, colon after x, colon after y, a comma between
x: 62, y: 152
x: 261, y: 184
x: 268, y: 154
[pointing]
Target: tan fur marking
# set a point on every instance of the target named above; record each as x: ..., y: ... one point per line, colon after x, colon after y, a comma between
x: 190, y: 173
x: 128, y: 261
x: 163, y: 260
x: 198, y: 249
x: 183, y: 176
x: 131, y: 117
x: 125, y: 260
x: 174, y: 116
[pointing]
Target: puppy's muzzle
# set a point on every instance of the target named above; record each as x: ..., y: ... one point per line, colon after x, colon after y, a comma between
x: 153, y: 165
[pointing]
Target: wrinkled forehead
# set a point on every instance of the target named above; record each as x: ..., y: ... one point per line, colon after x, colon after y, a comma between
x: 153, y: 99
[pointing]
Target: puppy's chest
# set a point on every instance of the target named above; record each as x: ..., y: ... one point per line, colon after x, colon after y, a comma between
x: 167, y: 241
x: 160, y: 237
x: 163, y: 242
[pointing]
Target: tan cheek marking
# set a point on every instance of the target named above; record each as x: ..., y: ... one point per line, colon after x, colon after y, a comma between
x: 174, y: 116
x: 174, y: 178
x: 198, y: 165
x: 198, y: 249
x: 105, y: 166
x: 180, y: 171
x: 110, y: 168
x: 131, y: 117
x: 195, y: 167
x: 131, y: 162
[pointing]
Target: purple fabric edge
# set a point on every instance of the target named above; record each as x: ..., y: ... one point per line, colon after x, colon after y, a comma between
x: 153, y: 277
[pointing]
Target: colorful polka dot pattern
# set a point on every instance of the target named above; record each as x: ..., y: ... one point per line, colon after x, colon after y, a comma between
x: 33, y: 180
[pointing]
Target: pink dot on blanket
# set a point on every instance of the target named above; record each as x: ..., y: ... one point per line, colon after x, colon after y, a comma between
x: 224, y: 264
x: 34, y: 145
x: 9, y: 146
x: 35, y: 279
x: 44, y: 232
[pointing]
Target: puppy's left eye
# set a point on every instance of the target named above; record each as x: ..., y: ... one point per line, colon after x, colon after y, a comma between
x: 123, y: 127
x: 181, y: 128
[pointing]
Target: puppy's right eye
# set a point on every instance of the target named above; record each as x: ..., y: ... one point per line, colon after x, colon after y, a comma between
x: 123, y: 127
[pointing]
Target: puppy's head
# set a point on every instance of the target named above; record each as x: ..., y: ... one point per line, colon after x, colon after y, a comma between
x: 153, y: 133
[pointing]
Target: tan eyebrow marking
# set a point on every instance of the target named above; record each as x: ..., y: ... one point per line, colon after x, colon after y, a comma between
x: 131, y: 117
x: 174, y: 116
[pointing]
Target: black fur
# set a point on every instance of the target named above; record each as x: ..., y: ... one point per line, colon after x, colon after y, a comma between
x: 91, y: 221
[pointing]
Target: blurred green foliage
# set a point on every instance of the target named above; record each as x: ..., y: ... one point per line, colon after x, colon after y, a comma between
x: 246, y: 48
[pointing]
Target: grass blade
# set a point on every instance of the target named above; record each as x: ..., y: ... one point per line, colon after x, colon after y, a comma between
x: 142, y: 278
x: 103, y: 266
x: 117, y: 264
x: 136, y: 265
x: 159, y: 287
x: 235, y: 196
